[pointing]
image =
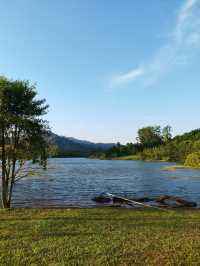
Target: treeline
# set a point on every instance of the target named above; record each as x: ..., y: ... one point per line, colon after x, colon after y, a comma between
x: 155, y: 143
x: 56, y: 152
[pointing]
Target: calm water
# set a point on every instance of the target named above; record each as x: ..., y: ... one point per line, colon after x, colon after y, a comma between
x: 74, y: 182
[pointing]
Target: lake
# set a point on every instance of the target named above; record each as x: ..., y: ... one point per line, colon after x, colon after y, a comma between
x: 75, y: 181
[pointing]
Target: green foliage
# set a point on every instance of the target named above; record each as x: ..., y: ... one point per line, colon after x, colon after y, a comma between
x: 53, y: 151
x: 175, y: 150
x: 154, y: 145
x: 70, y: 154
x: 20, y: 120
x: 166, y: 133
x: 193, y: 160
x: 150, y: 136
x: 22, y: 131
x: 122, y: 150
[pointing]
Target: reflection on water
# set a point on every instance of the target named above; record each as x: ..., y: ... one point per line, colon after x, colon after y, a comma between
x: 75, y: 181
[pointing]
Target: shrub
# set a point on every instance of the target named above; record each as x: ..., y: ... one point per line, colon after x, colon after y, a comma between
x: 193, y: 160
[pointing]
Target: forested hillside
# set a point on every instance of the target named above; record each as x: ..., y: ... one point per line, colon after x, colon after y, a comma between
x: 154, y: 143
x: 62, y: 146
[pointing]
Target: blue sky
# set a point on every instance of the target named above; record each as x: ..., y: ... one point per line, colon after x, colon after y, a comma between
x: 107, y: 68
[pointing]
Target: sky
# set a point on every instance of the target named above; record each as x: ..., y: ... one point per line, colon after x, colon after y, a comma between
x: 107, y: 68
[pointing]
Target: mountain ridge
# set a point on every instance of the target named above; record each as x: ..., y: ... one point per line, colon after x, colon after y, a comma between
x: 69, y: 146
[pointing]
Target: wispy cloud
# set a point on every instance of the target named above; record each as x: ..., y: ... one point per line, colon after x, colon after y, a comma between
x: 124, y: 77
x: 183, y: 42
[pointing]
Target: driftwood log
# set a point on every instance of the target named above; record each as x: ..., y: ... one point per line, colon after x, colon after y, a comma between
x: 102, y: 199
x: 162, y: 201
x: 111, y: 198
x: 175, y: 201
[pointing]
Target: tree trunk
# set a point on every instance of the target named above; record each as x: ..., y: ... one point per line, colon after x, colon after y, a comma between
x: 4, y: 194
x: 12, y: 182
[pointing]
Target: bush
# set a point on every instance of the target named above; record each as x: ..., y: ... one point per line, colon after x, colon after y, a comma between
x: 193, y: 160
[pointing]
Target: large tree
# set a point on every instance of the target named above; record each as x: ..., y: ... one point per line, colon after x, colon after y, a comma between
x: 166, y: 133
x: 22, y: 133
x: 149, y: 136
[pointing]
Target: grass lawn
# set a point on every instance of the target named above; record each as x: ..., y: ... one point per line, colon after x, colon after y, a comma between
x: 101, y: 236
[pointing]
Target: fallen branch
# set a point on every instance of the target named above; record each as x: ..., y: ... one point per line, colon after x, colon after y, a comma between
x: 134, y: 202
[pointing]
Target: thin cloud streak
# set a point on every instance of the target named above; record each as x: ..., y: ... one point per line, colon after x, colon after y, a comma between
x: 183, y: 43
x: 133, y: 74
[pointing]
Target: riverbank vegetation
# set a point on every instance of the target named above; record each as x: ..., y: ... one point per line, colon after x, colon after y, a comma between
x: 99, y: 237
x: 154, y: 143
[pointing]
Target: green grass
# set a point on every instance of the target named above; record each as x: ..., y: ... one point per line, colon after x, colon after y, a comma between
x: 98, y: 236
x: 128, y: 157
x: 177, y: 167
x: 137, y: 158
x: 167, y: 168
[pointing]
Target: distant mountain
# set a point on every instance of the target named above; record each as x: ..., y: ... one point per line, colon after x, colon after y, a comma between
x: 68, y: 146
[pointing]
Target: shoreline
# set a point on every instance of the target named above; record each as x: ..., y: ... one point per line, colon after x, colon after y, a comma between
x: 173, y: 167
x: 101, y: 208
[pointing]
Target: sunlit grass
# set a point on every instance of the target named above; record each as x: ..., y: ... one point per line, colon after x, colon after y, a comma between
x: 128, y: 157
x: 177, y: 167
x: 99, y: 237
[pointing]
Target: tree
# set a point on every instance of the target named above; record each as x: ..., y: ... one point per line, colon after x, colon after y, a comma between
x: 166, y: 133
x: 22, y: 133
x: 150, y: 136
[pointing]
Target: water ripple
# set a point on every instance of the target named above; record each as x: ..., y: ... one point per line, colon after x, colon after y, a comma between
x: 74, y: 182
